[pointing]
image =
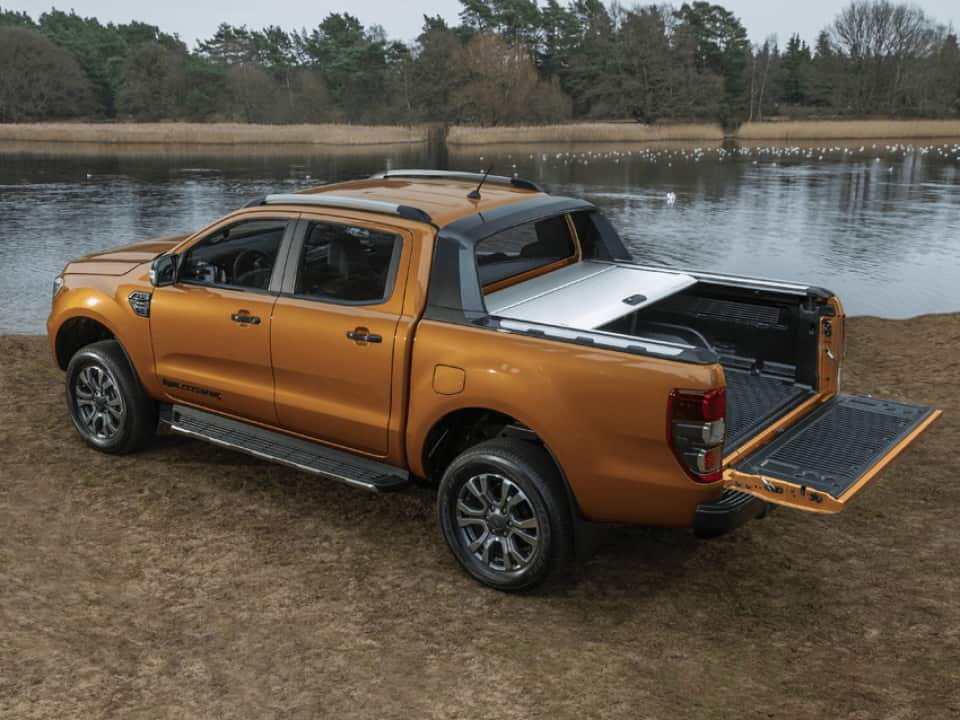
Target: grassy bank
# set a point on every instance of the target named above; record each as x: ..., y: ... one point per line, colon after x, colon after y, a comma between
x: 149, y: 137
x: 583, y: 133
x: 705, y: 133
x: 190, y: 581
x: 265, y: 150
x: 212, y: 134
x: 789, y: 130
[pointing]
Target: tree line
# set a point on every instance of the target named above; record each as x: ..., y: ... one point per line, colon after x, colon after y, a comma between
x: 506, y: 62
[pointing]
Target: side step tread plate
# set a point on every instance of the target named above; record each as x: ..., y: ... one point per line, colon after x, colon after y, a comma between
x: 278, y: 447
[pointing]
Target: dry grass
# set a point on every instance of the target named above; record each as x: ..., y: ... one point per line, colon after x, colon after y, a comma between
x: 193, y: 150
x: 191, y: 582
x: 789, y: 130
x: 212, y: 134
x: 583, y: 133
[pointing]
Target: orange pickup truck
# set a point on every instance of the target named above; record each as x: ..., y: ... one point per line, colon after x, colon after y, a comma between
x: 488, y: 337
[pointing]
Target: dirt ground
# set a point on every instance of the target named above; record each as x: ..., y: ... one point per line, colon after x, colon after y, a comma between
x: 192, y: 582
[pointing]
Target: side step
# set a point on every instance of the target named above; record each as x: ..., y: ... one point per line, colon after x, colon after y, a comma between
x: 285, y: 449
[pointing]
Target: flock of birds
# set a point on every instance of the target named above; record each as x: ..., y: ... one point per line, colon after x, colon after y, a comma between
x: 757, y: 155
x: 774, y: 153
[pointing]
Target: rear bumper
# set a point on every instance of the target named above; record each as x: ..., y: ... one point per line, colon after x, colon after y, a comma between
x: 731, y: 510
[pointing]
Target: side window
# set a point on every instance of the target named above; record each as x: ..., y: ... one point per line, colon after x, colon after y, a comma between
x: 523, y: 249
x: 592, y: 244
x: 346, y: 263
x: 240, y: 255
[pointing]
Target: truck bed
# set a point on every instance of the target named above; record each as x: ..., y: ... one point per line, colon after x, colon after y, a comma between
x: 761, y: 339
x: 756, y: 401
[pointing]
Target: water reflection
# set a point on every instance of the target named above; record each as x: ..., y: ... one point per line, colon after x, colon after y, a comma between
x: 880, y: 224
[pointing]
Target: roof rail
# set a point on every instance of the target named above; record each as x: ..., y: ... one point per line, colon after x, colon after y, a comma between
x: 347, y: 203
x: 516, y: 182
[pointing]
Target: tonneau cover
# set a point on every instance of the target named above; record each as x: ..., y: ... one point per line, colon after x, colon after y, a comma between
x: 586, y: 295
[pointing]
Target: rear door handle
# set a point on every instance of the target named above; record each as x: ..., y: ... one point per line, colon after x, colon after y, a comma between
x: 361, y: 336
x: 244, y: 317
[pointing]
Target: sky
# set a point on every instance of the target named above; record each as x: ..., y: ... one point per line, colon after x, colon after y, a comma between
x: 402, y: 20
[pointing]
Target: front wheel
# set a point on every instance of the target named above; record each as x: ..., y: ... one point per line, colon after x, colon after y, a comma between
x: 108, y: 405
x: 504, y: 514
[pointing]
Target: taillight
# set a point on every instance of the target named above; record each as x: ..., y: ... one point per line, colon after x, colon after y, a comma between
x: 696, y: 430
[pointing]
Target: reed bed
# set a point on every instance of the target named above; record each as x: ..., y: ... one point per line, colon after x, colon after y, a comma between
x: 790, y: 130
x: 194, y: 150
x: 213, y: 134
x: 583, y: 133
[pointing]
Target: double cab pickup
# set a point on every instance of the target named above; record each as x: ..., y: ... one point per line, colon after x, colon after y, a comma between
x: 489, y: 338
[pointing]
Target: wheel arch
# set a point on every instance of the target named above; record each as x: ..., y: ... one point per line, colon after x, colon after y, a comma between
x: 465, y: 427
x: 79, y: 331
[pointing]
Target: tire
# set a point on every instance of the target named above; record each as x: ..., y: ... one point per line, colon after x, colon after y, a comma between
x: 509, y: 542
x: 106, y: 401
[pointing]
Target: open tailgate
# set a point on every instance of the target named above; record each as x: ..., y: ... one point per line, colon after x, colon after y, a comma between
x: 829, y: 456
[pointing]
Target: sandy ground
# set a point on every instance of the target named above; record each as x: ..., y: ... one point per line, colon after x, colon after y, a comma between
x: 189, y: 581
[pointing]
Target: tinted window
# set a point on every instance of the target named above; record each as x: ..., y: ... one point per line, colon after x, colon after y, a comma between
x: 347, y: 263
x: 591, y: 239
x: 240, y: 255
x: 523, y: 248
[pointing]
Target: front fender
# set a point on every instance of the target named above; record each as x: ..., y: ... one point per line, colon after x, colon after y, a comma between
x: 104, y: 300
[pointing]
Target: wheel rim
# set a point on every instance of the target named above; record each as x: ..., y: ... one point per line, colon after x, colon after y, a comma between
x: 100, y: 406
x: 498, y: 523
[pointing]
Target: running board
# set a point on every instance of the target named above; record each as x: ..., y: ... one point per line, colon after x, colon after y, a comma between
x: 285, y: 449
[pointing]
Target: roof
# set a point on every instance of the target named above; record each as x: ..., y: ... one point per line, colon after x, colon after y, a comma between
x: 443, y: 199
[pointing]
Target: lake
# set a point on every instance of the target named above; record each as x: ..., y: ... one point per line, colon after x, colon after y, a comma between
x: 878, y: 223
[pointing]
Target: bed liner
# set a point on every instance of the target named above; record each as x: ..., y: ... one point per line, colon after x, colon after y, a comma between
x: 756, y: 401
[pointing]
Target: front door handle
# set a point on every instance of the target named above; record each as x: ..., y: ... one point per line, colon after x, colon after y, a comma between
x: 360, y: 335
x: 245, y: 317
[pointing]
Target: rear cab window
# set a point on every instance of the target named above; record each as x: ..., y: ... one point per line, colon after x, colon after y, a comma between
x: 525, y: 251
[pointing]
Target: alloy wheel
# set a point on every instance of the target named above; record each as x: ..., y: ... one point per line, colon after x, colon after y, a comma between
x: 497, y: 522
x: 100, y: 406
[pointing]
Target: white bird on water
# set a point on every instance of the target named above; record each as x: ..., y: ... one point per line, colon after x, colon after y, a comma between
x: 671, y: 198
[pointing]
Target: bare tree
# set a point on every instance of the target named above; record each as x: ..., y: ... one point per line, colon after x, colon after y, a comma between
x: 884, y: 45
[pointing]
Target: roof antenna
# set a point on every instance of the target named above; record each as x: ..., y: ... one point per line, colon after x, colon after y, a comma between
x: 475, y: 193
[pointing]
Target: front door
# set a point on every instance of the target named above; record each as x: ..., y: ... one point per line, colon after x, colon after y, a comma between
x: 211, y: 330
x: 334, y: 330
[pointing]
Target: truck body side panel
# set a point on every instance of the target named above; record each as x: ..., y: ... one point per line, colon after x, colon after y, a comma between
x: 601, y: 412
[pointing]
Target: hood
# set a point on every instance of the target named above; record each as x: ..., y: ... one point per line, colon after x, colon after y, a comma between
x: 121, y: 260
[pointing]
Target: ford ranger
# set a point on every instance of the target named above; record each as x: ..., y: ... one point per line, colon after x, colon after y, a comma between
x: 483, y: 335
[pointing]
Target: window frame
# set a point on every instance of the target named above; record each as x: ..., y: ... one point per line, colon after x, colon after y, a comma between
x: 288, y: 283
x: 273, y: 287
x: 537, y: 271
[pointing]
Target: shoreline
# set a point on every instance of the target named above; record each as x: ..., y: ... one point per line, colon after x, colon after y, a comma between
x: 213, y: 134
x: 219, y: 137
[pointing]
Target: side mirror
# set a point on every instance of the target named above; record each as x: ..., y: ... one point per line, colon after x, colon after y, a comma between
x: 163, y: 271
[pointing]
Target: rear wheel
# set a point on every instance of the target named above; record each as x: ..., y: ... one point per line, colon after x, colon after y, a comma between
x: 503, y: 513
x: 108, y: 405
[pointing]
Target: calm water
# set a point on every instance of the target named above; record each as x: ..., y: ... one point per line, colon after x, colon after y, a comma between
x: 879, y: 225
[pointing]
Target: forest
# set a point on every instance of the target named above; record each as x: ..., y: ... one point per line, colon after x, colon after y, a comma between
x: 506, y: 62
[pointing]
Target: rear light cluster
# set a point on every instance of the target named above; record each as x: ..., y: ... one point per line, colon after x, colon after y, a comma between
x: 696, y: 430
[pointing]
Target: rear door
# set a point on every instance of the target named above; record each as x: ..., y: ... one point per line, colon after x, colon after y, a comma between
x: 334, y: 329
x: 828, y: 457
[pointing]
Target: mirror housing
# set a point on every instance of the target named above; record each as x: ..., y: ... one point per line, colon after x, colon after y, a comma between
x: 163, y: 271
